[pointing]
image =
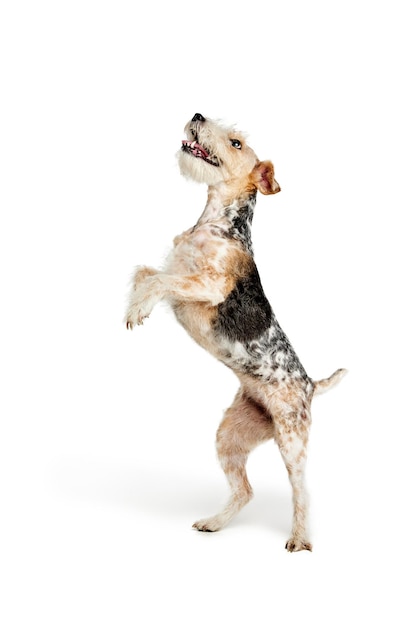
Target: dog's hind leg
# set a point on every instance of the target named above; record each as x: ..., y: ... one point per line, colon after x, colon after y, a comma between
x: 245, y: 425
x: 291, y: 435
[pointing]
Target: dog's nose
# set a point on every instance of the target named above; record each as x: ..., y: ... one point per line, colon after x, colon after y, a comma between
x: 198, y: 117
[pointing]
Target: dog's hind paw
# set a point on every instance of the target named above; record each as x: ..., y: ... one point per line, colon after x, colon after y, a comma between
x: 296, y: 545
x: 209, y: 525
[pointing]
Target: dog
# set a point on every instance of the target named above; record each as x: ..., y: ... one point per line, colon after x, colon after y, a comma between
x: 213, y: 286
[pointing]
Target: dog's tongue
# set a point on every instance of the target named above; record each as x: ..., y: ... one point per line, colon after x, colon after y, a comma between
x: 197, y: 149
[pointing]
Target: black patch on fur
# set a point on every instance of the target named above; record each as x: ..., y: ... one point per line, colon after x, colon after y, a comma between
x: 240, y: 218
x: 246, y: 313
x: 241, y: 226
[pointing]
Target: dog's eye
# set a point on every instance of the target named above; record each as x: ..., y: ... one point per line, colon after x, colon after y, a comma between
x: 235, y: 143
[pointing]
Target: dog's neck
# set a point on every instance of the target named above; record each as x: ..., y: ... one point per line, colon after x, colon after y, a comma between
x: 221, y: 206
x: 234, y: 217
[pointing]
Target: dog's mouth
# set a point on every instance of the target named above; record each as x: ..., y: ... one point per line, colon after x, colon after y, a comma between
x: 200, y: 152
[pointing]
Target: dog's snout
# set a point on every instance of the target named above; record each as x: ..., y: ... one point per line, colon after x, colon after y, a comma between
x: 198, y: 117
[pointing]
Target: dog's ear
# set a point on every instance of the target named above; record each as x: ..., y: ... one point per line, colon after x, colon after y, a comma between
x: 263, y: 178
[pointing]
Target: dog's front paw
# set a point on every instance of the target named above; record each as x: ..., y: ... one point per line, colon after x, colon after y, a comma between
x: 130, y: 324
x: 296, y: 545
x: 135, y: 316
x: 146, y: 292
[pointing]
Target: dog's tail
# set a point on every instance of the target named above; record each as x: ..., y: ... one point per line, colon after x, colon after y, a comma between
x: 320, y: 386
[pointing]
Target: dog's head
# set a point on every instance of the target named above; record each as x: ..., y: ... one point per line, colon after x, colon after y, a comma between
x: 214, y: 154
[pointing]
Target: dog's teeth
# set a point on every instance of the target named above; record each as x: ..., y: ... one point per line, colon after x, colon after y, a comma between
x: 192, y: 145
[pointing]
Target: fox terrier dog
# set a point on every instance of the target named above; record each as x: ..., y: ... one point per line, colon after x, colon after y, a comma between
x: 211, y: 281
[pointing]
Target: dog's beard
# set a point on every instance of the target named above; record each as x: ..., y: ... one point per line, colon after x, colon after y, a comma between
x: 198, y: 170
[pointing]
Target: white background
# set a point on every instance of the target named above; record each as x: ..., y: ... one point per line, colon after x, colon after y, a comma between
x: 107, y: 437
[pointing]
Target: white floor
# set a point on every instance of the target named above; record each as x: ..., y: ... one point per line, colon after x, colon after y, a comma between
x: 107, y: 437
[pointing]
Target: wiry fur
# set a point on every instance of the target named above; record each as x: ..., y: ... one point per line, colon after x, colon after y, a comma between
x: 212, y: 284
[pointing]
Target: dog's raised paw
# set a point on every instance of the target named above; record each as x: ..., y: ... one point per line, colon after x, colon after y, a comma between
x: 132, y: 321
x: 131, y: 325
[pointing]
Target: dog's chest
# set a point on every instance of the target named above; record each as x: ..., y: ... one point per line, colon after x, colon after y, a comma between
x: 200, y: 249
